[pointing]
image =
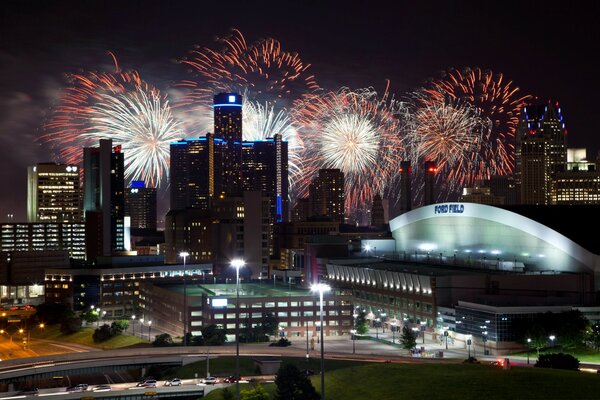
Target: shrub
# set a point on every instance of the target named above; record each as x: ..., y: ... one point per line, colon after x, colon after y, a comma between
x: 558, y: 361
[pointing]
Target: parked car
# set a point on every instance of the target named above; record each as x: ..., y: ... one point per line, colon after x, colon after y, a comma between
x: 230, y: 379
x: 209, y: 380
x: 82, y: 387
x: 173, y: 382
x: 101, y: 388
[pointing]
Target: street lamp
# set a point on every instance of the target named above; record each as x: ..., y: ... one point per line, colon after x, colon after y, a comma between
x: 353, y: 332
x: 149, y: 327
x: 469, y: 344
x: 321, y: 288
x: 393, y: 332
x: 184, y: 255
x: 423, y: 324
x: 377, y: 327
x: 552, y: 337
x: 133, y: 325
x: 383, y: 315
x: 141, y: 328
x: 528, y: 349
x: 484, y: 338
x: 237, y: 263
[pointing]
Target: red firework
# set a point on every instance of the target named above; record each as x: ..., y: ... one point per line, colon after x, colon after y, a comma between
x: 496, y: 98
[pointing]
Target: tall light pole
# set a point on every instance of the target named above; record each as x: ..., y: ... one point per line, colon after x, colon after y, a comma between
x: 133, y: 325
x: 307, y: 355
x: 552, y: 337
x: 321, y: 288
x: 141, y: 328
x: 528, y: 349
x: 149, y: 327
x: 377, y: 327
x: 423, y: 324
x: 184, y: 255
x: 237, y: 264
x: 484, y: 339
x: 393, y: 324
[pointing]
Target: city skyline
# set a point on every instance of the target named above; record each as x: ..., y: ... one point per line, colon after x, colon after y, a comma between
x: 354, y: 47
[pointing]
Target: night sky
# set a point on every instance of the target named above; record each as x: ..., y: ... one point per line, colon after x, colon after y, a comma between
x: 547, y: 50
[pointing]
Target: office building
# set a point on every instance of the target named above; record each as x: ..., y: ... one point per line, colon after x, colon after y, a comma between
x: 53, y: 193
x: 430, y: 168
x: 579, y: 183
x: 326, y: 195
x: 227, y: 109
x: 405, y: 188
x: 44, y: 236
x: 265, y: 169
x: 377, y: 215
x: 542, y: 142
x: 480, y: 195
x: 104, y: 199
x: 140, y: 206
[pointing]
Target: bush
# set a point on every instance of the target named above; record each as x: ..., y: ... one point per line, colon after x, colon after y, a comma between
x: 558, y: 361
x: 163, y: 340
x: 70, y: 325
x: 118, y: 327
x: 102, y: 334
x: 283, y: 342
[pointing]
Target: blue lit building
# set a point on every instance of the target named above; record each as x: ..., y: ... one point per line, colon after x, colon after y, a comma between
x: 227, y: 109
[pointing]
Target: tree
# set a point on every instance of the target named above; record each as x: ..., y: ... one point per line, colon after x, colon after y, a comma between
x: 558, y: 361
x: 163, y: 340
x: 408, y: 339
x: 593, y: 336
x: 213, y: 335
x: 270, y: 325
x: 90, y: 316
x: 255, y: 393
x: 118, y: 327
x: 227, y: 394
x: 293, y: 384
x: 70, y: 325
x: 53, y: 313
x: 102, y: 334
x: 360, y: 323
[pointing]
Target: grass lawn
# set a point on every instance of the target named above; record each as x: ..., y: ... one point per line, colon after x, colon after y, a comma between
x: 583, y: 354
x: 84, y: 337
x: 454, y: 381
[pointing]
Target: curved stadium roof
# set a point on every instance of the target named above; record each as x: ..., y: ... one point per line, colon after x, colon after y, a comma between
x: 481, y: 232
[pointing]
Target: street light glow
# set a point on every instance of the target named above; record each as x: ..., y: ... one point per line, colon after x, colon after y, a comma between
x: 320, y: 287
x: 237, y: 263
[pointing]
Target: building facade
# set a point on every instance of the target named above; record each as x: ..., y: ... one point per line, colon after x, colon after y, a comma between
x: 140, y: 206
x: 327, y: 196
x: 53, y: 193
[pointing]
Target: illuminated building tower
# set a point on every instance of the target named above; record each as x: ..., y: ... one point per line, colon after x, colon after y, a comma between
x: 430, y: 171
x: 377, y: 215
x: 579, y: 183
x: 196, y: 171
x: 405, y: 187
x: 140, y: 205
x: 228, y: 127
x: 265, y: 169
x: 104, y: 199
x: 327, y: 195
x: 53, y: 193
x: 542, y: 141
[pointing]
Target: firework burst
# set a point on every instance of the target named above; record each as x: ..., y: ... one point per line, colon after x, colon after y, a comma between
x: 496, y: 98
x: 356, y: 132
x: 456, y: 137
x: 262, y: 121
x: 261, y: 71
x: 118, y: 106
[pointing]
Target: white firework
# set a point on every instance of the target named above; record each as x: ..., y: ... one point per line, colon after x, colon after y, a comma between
x: 261, y: 122
x: 142, y: 123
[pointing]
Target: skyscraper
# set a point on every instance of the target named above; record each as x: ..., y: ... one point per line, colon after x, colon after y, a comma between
x: 228, y: 127
x: 405, y: 187
x: 104, y: 199
x: 377, y: 216
x: 196, y: 171
x: 327, y: 196
x: 53, y: 193
x: 542, y: 143
x: 265, y: 169
x: 140, y: 205
x: 430, y: 172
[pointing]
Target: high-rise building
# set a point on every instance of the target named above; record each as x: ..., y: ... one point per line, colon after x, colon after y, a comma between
x: 504, y: 186
x: 140, y: 205
x: 228, y: 126
x: 377, y: 217
x: 44, y: 236
x: 542, y: 144
x: 53, y: 193
x: 430, y: 172
x: 196, y: 171
x: 301, y: 210
x: 405, y: 187
x: 265, y: 169
x: 480, y: 195
x: 327, y: 195
x: 579, y: 183
x: 104, y: 199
